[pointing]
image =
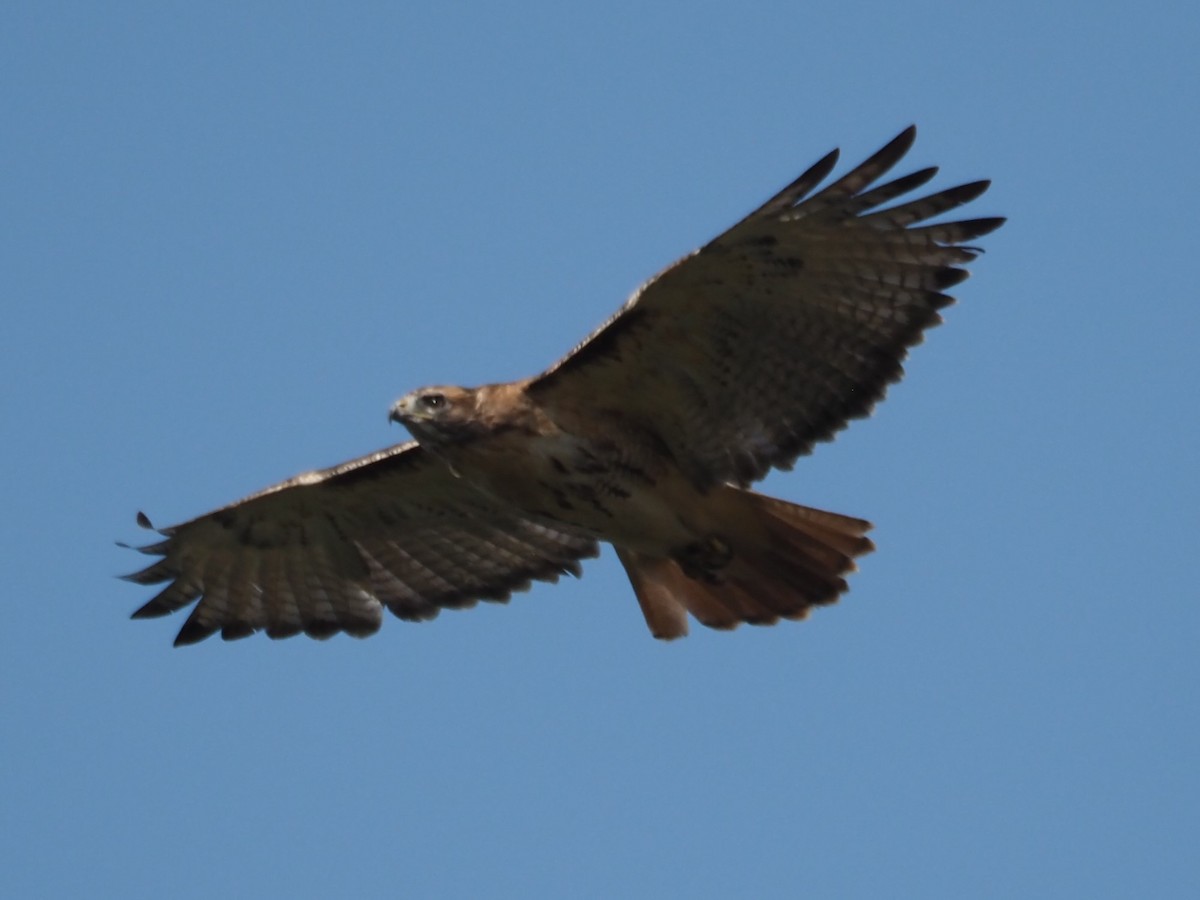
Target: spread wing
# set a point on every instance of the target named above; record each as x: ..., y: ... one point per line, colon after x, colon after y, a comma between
x: 326, y: 551
x: 773, y: 336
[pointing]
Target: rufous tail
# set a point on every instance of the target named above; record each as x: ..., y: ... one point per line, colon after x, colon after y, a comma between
x: 784, y: 560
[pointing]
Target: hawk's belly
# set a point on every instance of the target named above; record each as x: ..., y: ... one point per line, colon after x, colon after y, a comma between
x: 613, y: 490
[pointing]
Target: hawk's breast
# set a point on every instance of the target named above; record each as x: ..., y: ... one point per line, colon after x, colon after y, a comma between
x: 606, y: 487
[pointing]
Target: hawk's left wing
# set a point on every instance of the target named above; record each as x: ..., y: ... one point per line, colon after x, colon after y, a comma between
x: 774, y: 335
x: 326, y: 551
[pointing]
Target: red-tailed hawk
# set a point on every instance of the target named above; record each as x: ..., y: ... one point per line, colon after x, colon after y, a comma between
x: 737, y: 359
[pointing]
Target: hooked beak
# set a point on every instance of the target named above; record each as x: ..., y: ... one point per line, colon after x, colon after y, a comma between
x: 402, y: 411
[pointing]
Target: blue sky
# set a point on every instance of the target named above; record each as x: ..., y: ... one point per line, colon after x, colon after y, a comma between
x: 233, y: 234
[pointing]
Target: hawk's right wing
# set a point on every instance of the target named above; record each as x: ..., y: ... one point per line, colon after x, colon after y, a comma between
x: 325, y: 552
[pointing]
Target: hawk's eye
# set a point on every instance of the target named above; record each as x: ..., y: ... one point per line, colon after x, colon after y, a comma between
x: 432, y: 401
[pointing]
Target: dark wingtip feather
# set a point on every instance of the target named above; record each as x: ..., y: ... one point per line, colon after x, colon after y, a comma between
x: 144, y: 521
x: 155, y: 573
x: 151, y: 610
x: 979, y: 227
x: 799, y: 189
x: 965, y: 193
x: 818, y: 171
x: 891, y: 152
x: 906, y: 184
x: 948, y: 277
x: 869, y: 171
x: 193, y: 632
x: 905, y: 139
x: 159, y: 549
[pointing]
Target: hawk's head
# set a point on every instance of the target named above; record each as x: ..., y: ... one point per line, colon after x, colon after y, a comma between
x: 438, y: 415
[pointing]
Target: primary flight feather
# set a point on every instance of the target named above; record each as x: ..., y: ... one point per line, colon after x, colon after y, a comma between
x: 734, y: 360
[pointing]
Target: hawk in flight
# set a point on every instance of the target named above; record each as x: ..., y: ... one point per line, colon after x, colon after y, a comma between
x: 736, y: 359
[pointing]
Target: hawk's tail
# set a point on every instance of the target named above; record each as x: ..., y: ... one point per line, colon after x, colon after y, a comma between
x: 773, y: 560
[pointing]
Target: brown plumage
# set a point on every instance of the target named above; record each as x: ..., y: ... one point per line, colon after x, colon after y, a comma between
x: 736, y: 359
